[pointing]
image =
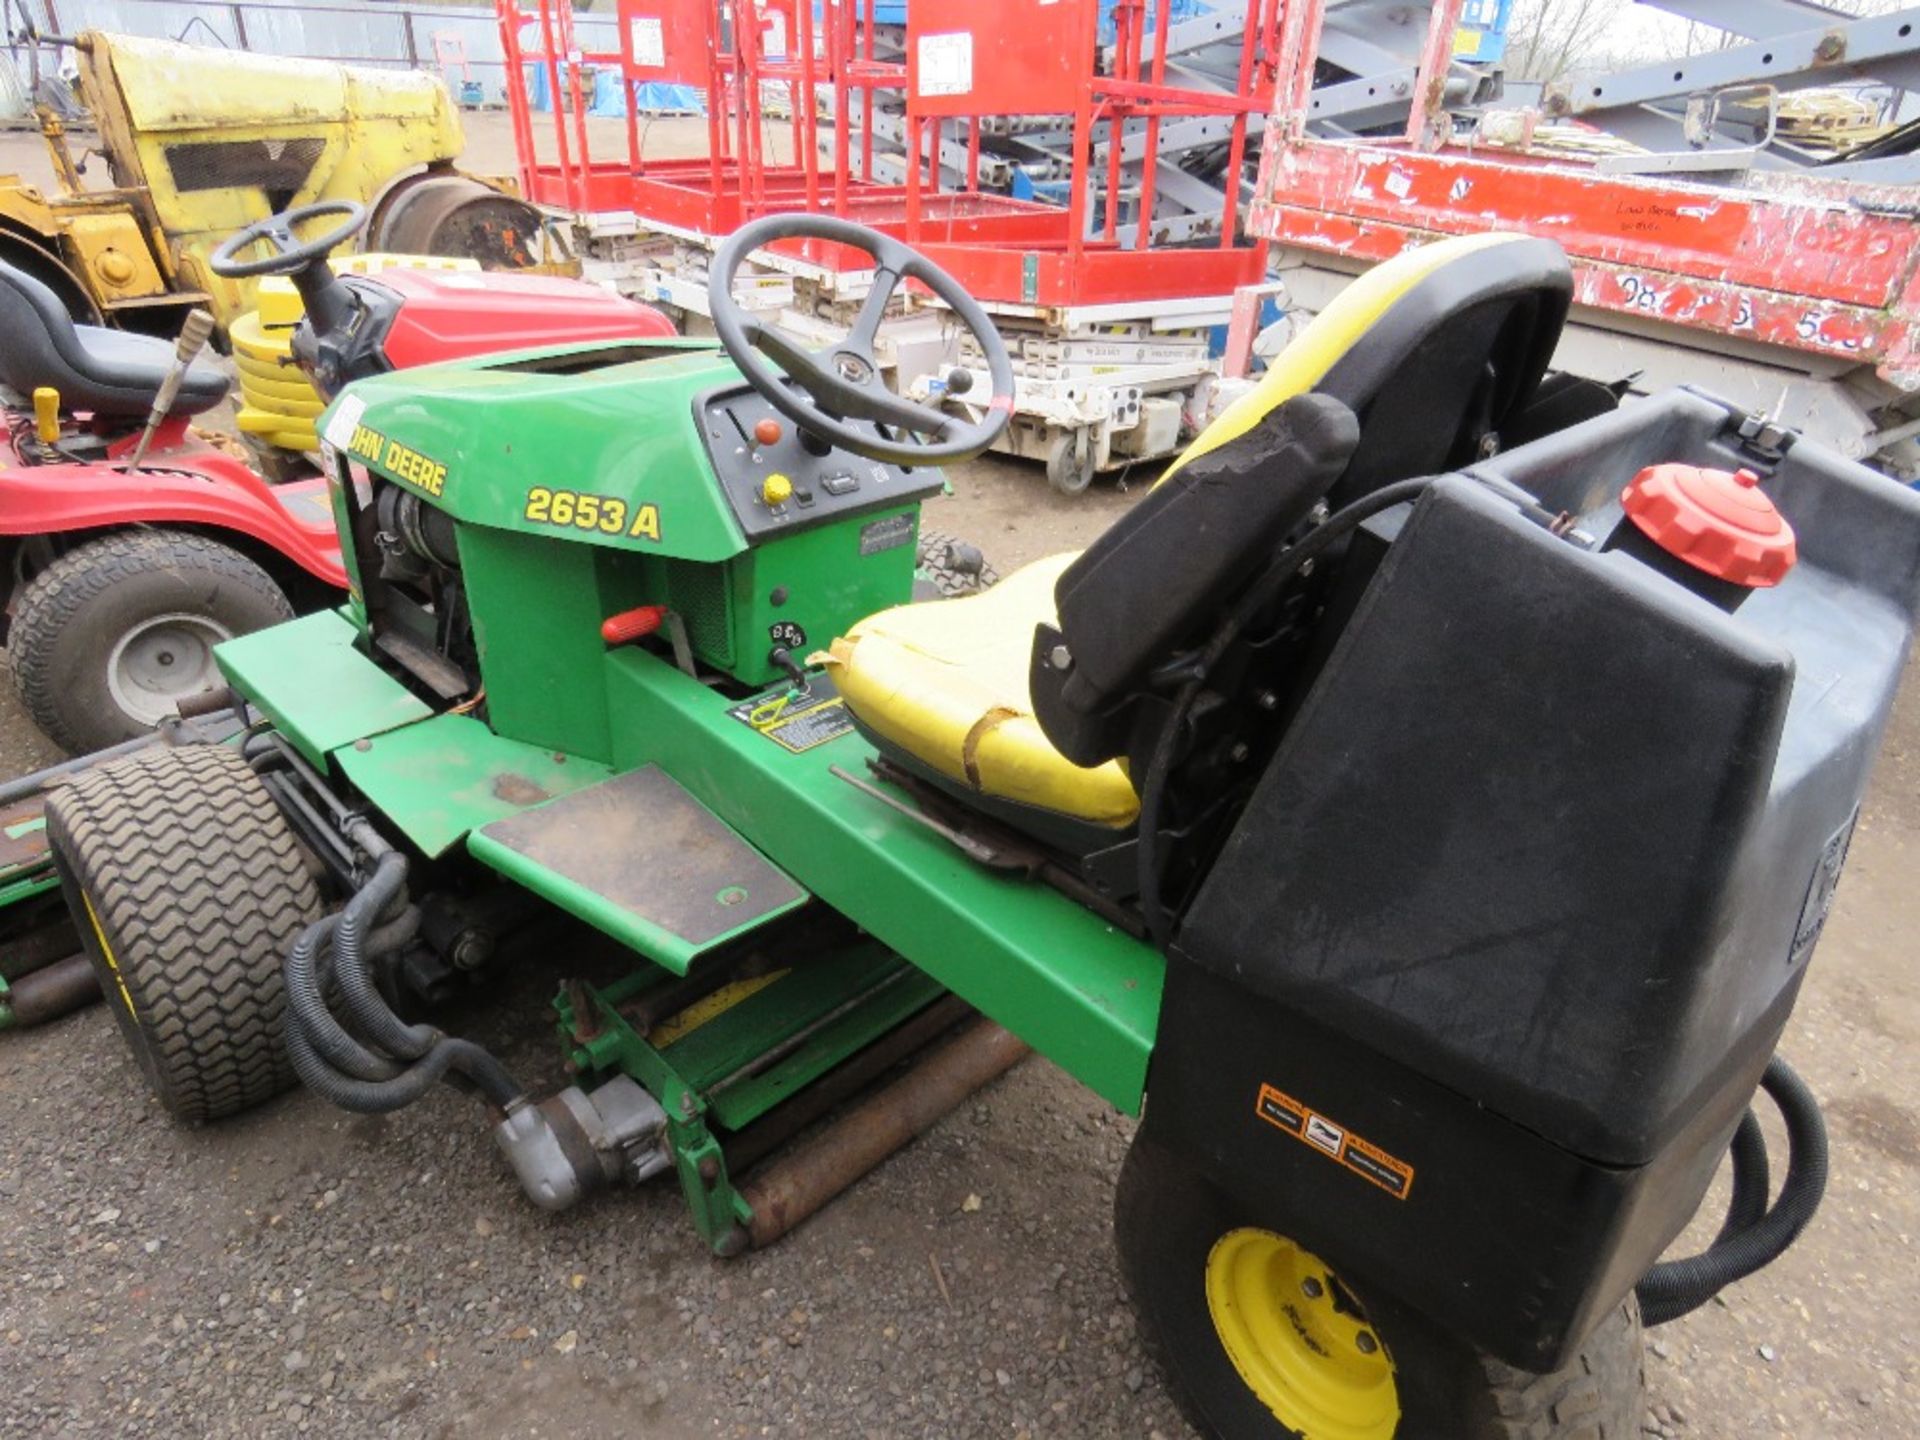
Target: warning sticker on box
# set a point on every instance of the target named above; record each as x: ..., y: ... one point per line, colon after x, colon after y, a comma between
x: 796, y: 718
x: 946, y: 63
x: 344, y: 421
x: 649, y: 41
x: 1368, y: 1161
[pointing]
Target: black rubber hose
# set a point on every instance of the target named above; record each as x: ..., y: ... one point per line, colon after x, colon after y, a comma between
x: 1678, y: 1287
x: 367, y: 1008
x: 309, y: 1018
x: 378, y: 1097
x: 1262, y: 591
x: 1752, y: 1180
x: 328, y: 1059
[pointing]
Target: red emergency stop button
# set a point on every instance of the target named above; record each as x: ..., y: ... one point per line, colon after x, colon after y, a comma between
x: 1717, y: 521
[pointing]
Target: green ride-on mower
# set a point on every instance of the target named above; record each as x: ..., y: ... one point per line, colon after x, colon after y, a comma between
x: 1421, y: 808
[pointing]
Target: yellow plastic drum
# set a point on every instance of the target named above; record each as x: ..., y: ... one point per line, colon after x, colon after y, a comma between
x: 277, y: 405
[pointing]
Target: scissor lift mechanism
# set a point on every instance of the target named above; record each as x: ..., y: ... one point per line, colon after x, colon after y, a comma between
x: 1785, y: 291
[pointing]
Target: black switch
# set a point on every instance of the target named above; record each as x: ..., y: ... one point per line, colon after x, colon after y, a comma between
x: 840, y: 484
x: 803, y: 497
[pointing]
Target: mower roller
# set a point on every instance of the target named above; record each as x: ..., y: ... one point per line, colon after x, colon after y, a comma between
x: 1421, y: 806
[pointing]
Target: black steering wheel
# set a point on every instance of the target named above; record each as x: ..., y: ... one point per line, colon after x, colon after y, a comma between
x: 289, y: 255
x: 839, y: 385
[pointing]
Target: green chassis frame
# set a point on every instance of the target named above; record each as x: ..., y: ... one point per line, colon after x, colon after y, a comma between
x: 567, y: 713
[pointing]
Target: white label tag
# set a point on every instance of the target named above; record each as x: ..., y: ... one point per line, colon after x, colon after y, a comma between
x: 946, y: 63
x: 344, y: 421
x: 649, y: 41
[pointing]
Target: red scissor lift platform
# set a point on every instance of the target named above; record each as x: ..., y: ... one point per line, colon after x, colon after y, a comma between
x: 1783, y: 291
x: 998, y: 57
x: 1054, y: 275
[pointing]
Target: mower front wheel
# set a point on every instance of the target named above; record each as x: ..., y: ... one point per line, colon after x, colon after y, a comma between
x: 187, y: 887
x: 1260, y: 1339
x: 114, y: 634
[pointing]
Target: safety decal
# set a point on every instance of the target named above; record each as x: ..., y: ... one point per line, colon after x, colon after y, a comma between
x: 400, y: 461
x: 607, y: 514
x: 1335, y: 1141
x: 787, y: 634
x: 796, y: 718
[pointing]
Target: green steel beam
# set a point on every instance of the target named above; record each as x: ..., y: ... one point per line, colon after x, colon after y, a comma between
x: 443, y: 777
x: 1077, y: 989
x: 311, y: 680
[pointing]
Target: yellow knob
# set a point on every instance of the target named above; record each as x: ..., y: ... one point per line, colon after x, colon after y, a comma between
x: 46, y: 414
x: 777, y: 490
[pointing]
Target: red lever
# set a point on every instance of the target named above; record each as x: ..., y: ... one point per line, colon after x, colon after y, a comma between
x: 767, y: 431
x: 630, y: 625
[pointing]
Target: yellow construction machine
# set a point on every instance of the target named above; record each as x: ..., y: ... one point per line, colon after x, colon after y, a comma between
x: 199, y: 143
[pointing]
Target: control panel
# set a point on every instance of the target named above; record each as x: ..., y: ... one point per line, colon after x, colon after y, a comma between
x: 779, y: 478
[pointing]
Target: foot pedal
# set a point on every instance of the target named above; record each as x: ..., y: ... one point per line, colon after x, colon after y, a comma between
x: 642, y: 860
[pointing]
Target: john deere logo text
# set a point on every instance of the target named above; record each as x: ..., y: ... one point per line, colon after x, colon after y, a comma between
x: 397, y: 460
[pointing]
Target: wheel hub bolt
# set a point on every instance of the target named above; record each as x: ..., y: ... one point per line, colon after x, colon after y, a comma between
x: 1312, y: 1288
x: 1365, y: 1343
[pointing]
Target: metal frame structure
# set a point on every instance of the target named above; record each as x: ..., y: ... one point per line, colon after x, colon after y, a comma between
x: 1790, y: 292
x: 1112, y: 338
x: 1790, y: 45
x: 1371, y: 54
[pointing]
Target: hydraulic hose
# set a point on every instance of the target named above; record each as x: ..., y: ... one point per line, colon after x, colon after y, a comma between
x: 309, y: 1018
x: 367, y: 1008
x: 1752, y: 1237
x: 377, y: 1097
x: 365, y: 1073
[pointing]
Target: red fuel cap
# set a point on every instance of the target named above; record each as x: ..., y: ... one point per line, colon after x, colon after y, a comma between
x: 1715, y: 520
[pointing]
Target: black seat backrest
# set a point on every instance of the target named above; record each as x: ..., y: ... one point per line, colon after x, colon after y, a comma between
x: 1432, y: 351
x: 107, y: 372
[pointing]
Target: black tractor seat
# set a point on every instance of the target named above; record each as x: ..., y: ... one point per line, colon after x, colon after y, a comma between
x: 107, y: 372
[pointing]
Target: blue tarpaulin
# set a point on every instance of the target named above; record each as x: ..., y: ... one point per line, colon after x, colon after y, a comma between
x: 652, y: 98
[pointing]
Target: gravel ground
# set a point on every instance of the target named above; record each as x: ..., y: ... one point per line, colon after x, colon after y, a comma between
x: 303, y: 1272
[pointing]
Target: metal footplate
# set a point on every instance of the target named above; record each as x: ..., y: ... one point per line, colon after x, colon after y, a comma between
x: 639, y: 858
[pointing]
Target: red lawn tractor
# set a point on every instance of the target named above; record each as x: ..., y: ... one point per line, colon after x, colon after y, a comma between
x: 130, y: 544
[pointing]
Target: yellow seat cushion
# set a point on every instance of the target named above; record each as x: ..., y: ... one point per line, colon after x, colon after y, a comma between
x: 947, y: 682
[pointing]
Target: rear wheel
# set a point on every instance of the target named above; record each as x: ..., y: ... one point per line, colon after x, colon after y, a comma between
x: 113, y: 635
x: 1262, y: 1340
x: 187, y: 887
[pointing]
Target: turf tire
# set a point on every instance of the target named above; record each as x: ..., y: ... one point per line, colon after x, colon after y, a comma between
x: 199, y: 889
x: 1166, y: 1221
x: 71, y: 615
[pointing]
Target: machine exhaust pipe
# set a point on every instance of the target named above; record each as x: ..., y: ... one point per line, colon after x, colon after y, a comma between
x: 794, y: 1187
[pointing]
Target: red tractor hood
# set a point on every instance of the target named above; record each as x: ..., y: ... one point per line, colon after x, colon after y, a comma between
x: 450, y: 314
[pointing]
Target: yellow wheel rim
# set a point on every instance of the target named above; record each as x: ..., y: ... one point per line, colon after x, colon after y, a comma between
x: 1300, y: 1344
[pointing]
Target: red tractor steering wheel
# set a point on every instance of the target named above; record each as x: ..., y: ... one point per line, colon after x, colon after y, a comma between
x: 836, y: 391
